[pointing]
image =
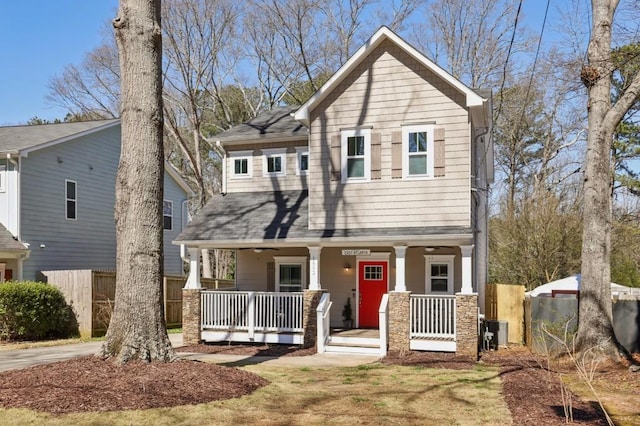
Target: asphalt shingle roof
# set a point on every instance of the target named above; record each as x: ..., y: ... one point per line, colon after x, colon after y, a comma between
x: 275, y: 124
x: 17, y: 138
x: 8, y: 243
x: 278, y: 216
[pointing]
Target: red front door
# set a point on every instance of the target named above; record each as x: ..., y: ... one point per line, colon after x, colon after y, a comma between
x: 372, y: 283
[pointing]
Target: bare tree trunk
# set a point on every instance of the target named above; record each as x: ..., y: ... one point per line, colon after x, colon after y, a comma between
x: 137, y: 329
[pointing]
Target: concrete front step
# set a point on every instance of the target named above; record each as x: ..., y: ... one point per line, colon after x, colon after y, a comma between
x: 352, y: 349
x: 350, y: 340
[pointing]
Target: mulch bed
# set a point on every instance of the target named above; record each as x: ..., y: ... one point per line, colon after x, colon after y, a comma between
x: 249, y: 350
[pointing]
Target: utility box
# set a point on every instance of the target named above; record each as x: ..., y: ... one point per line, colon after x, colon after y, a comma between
x: 500, y: 330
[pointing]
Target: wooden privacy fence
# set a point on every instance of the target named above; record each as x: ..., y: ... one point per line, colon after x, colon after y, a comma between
x: 505, y: 302
x: 92, y: 294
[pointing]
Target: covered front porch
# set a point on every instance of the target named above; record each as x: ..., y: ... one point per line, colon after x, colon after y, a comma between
x: 402, y: 298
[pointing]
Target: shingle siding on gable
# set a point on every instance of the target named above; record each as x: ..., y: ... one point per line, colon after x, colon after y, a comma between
x: 387, y: 90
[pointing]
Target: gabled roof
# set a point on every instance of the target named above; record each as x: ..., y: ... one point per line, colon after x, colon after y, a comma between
x: 8, y: 243
x: 277, y: 124
x: 24, y: 139
x: 473, y: 99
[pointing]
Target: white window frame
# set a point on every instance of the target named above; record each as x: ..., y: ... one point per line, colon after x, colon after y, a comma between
x: 300, y: 151
x: 3, y: 177
x: 67, y: 199
x: 439, y: 259
x: 406, y: 130
x: 291, y: 260
x: 274, y: 153
x: 345, y: 135
x: 241, y: 155
x: 169, y: 215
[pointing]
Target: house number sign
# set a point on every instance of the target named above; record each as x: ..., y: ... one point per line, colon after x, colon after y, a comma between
x: 356, y: 252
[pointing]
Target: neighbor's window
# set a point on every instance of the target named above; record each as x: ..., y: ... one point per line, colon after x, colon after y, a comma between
x: 302, y: 166
x: 167, y: 215
x: 439, y: 274
x: 274, y: 162
x: 356, y: 155
x: 417, y: 148
x: 290, y: 273
x: 71, y: 198
x: 241, y: 164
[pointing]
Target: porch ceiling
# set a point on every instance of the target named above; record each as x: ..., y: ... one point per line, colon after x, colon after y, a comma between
x: 280, y: 218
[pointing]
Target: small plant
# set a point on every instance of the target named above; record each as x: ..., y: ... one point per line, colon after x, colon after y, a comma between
x: 347, y: 314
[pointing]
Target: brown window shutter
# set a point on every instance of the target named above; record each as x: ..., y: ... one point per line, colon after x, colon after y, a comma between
x: 376, y: 161
x: 396, y: 155
x: 271, y: 276
x: 438, y: 147
x: 336, y: 159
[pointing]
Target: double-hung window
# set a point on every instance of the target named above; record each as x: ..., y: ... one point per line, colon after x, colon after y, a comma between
x: 71, y: 200
x: 417, y: 151
x: 241, y: 164
x: 291, y: 273
x: 274, y: 162
x: 167, y: 215
x: 439, y: 274
x: 356, y: 155
x: 302, y: 164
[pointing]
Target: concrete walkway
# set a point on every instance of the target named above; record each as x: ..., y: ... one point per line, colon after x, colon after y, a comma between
x: 22, y: 358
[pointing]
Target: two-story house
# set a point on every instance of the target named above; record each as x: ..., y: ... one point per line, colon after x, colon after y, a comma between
x: 57, y: 196
x: 373, y: 193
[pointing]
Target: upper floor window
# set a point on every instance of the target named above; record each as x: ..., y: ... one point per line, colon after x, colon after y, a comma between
x: 71, y: 199
x: 291, y: 273
x: 417, y: 149
x: 439, y: 274
x: 3, y: 177
x: 302, y: 165
x: 274, y: 162
x: 356, y: 155
x: 167, y: 215
x: 242, y: 164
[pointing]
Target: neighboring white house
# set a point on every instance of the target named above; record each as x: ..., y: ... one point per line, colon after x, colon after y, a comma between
x: 57, y: 196
x: 376, y: 186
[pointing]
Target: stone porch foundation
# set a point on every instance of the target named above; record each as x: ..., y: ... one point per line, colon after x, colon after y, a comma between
x: 191, y: 331
x: 467, y: 325
x: 309, y: 317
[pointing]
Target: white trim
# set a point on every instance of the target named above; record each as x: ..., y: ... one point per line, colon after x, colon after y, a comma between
x: 438, y: 259
x: 3, y: 177
x: 291, y: 260
x: 241, y: 155
x: 274, y: 153
x: 344, y: 136
x: 300, y: 151
x: 429, y: 129
x: 384, y: 33
x: 169, y: 215
x: 67, y: 199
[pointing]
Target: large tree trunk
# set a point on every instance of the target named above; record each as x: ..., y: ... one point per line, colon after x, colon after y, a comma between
x: 137, y: 329
x: 595, y: 317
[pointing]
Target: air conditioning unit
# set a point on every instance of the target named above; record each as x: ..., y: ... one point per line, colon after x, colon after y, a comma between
x: 497, y: 332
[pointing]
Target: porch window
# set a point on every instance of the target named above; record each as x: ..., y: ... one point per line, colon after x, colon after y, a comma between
x: 274, y: 162
x: 241, y: 164
x: 302, y: 165
x: 71, y: 200
x: 356, y: 155
x: 417, y: 148
x: 439, y: 274
x: 291, y: 273
x: 167, y: 215
x: 373, y: 272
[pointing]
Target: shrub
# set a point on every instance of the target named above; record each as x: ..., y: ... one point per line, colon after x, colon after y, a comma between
x: 34, y: 311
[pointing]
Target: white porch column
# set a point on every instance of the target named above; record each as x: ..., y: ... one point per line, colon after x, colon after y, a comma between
x: 467, y: 270
x: 193, y: 282
x: 400, y: 268
x: 314, y: 268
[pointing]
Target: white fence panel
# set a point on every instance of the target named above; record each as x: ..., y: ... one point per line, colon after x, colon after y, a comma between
x: 433, y: 317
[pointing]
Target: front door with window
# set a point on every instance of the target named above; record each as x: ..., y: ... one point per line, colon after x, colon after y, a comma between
x: 372, y: 285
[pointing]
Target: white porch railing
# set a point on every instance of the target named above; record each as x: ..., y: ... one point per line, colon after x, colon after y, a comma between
x: 323, y: 326
x: 383, y: 317
x: 433, y: 318
x: 252, y: 311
